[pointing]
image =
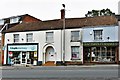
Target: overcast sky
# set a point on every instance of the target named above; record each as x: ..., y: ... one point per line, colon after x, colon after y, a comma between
x: 50, y: 9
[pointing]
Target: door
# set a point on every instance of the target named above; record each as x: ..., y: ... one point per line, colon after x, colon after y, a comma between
x: 87, y: 55
x: 50, y: 54
x: 23, y: 58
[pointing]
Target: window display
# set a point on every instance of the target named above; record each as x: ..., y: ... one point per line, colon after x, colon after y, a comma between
x: 103, y: 54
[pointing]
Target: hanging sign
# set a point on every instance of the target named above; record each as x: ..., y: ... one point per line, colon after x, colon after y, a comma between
x: 10, y: 54
x: 35, y: 54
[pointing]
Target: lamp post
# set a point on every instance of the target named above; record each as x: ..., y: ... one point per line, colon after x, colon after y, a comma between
x: 63, y: 14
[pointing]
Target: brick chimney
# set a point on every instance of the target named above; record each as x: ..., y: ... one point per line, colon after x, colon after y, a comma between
x: 62, y: 13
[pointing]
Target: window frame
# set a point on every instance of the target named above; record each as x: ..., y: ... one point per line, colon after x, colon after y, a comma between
x: 98, y: 33
x: 101, y: 54
x: 14, y: 20
x: 2, y: 22
x: 77, y: 53
x: 75, y: 38
x: 49, y: 39
x: 29, y: 37
x: 16, y: 37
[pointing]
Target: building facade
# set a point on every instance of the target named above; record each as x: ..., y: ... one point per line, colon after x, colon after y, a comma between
x: 101, y: 44
x: 9, y: 22
x: 39, y: 47
x: 85, y: 40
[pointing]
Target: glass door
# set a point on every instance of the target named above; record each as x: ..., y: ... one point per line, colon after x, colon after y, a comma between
x: 23, y: 58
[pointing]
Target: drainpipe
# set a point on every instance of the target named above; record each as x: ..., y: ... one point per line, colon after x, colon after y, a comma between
x: 63, y: 19
x: 2, y: 42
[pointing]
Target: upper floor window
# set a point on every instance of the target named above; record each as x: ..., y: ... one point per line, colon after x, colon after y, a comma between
x: 98, y: 34
x: 49, y: 37
x: 14, y: 20
x: 1, y: 22
x: 75, y: 35
x: 16, y: 37
x: 29, y: 37
x: 75, y: 50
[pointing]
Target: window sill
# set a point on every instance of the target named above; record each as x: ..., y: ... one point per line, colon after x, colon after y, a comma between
x: 75, y: 59
x: 75, y: 41
x: 49, y: 42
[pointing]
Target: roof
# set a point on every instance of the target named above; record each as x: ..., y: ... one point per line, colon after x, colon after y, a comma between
x: 20, y: 16
x: 69, y: 23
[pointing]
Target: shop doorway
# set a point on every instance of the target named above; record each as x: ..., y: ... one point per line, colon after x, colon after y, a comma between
x: 87, y: 55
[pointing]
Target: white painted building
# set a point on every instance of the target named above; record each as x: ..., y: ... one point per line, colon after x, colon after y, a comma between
x: 41, y: 42
x: 47, y: 44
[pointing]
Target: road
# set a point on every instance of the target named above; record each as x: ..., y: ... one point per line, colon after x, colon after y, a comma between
x: 60, y: 72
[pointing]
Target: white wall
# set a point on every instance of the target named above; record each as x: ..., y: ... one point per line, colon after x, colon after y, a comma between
x: 68, y: 44
x: 40, y: 38
x: 108, y: 31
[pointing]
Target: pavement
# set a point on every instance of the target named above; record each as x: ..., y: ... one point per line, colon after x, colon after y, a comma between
x: 69, y: 66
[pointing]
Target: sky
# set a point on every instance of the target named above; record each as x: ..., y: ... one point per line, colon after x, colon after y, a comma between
x: 50, y: 9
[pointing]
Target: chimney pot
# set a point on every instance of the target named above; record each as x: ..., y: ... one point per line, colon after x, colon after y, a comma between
x: 62, y: 13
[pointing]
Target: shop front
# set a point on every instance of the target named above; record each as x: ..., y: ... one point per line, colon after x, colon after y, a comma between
x: 101, y: 52
x: 18, y: 54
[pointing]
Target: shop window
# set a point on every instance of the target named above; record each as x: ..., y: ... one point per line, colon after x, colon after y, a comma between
x: 16, y: 37
x: 75, y: 35
x: 98, y: 34
x: 49, y: 37
x: 103, y: 54
x: 29, y: 37
x: 75, y: 52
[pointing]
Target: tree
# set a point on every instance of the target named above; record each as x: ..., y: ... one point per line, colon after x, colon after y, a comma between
x: 102, y: 12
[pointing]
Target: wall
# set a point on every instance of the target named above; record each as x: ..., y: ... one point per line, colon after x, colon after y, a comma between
x: 108, y: 31
x: 68, y: 44
x: 40, y: 38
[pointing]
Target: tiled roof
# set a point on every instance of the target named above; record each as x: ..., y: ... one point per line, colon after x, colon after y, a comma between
x: 70, y: 23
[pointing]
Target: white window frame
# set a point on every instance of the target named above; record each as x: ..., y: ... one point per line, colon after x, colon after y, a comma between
x: 14, y: 20
x: 75, y: 53
x: 29, y: 37
x: 98, y: 34
x: 16, y: 37
x: 49, y: 37
x: 2, y: 22
x: 75, y: 37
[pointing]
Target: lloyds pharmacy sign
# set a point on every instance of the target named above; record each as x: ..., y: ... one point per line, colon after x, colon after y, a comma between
x: 22, y: 47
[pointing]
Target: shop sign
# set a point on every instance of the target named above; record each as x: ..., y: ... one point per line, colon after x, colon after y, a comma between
x: 100, y: 44
x: 22, y: 47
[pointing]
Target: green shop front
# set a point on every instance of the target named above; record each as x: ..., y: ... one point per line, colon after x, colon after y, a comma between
x: 100, y: 52
x: 22, y: 54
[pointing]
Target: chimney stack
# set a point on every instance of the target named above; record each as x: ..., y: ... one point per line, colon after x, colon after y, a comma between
x: 62, y: 13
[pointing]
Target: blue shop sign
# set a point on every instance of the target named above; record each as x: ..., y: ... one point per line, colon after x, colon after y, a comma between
x: 22, y: 48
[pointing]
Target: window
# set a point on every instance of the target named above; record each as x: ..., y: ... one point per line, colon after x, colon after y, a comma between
x: 1, y: 22
x: 75, y: 52
x: 75, y: 36
x: 14, y: 20
x: 98, y: 34
x: 29, y: 37
x: 16, y: 37
x: 49, y: 37
x: 103, y: 54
